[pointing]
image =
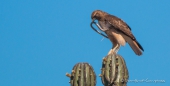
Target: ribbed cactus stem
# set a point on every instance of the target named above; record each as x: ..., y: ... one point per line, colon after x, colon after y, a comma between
x: 114, y: 71
x: 82, y: 75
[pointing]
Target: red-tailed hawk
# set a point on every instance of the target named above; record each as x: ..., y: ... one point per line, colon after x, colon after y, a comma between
x: 117, y: 31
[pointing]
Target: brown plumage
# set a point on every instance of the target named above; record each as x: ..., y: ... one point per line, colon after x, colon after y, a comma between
x: 117, y: 31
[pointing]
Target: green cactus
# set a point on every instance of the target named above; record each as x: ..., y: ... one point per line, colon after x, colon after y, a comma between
x: 114, y: 71
x: 82, y: 75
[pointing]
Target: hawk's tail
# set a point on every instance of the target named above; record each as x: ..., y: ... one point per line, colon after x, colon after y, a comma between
x: 137, y: 48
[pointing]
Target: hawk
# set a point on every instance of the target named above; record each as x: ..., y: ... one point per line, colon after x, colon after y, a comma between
x: 117, y: 31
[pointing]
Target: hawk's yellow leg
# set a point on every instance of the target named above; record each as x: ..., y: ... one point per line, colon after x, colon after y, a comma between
x: 115, y: 49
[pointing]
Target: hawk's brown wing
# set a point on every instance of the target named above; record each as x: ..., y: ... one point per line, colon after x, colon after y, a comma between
x: 120, y: 25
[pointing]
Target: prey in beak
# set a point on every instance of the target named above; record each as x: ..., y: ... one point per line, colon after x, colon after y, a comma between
x: 93, y: 22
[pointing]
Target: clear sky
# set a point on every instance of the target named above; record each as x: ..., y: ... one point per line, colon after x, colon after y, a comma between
x: 41, y: 40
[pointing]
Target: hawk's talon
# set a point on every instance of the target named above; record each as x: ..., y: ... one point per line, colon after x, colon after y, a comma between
x: 112, y: 52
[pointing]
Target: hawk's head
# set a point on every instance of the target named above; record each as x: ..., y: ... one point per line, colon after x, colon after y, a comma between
x: 98, y: 14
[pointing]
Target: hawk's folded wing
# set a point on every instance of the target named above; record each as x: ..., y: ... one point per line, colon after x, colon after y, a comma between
x: 122, y: 27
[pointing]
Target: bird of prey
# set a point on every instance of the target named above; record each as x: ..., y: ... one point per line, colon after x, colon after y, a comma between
x: 117, y: 31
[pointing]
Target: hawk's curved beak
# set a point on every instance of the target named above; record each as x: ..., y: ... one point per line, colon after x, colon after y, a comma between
x: 93, y: 19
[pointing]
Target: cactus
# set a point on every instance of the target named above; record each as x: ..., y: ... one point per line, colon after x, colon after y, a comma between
x: 82, y: 75
x: 114, y: 71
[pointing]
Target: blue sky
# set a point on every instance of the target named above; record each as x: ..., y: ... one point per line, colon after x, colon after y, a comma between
x: 41, y: 40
